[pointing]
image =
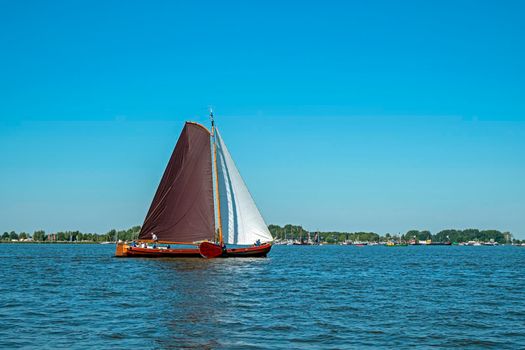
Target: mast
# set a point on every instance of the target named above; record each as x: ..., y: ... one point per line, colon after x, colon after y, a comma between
x: 216, y: 177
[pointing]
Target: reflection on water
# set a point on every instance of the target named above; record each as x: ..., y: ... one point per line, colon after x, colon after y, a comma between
x: 315, y: 297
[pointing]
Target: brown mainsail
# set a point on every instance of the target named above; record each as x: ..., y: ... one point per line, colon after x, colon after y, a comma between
x: 182, y: 209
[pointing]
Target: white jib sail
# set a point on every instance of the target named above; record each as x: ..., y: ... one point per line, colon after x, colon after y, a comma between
x: 242, y: 222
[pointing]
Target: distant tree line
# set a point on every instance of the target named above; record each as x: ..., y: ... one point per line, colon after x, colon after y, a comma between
x: 295, y: 232
x: 73, y: 236
x: 470, y: 234
x: 286, y: 232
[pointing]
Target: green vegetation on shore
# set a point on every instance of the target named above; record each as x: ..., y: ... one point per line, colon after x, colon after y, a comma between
x: 73, y: 236
x: 295, y: 232
x: 286, y: 232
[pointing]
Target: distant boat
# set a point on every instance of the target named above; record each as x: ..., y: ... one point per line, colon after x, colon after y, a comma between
x: 441, y: 243
x: 200, y: 181
x: 394, y: 244
x: 358, y: 243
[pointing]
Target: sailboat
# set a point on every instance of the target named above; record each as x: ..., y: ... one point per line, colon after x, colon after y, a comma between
x: 201, y: 188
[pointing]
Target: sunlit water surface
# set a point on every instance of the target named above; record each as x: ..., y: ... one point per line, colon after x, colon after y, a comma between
x: 310, y: 297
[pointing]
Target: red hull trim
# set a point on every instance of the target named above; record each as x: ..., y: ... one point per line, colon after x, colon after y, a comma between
x: 250, y: 252
x: 162, y: 253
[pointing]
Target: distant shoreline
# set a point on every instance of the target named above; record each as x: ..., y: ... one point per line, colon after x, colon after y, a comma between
x: 322, y: 243
x: 293, y: 234
x: 51, y: 242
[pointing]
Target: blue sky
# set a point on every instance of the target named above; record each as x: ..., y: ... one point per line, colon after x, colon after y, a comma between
x: 341, y: 115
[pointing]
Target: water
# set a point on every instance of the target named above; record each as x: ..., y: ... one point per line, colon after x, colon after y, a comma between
x: 309, y: 297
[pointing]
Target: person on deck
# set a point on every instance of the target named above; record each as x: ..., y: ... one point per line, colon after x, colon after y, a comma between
x: 257, y: 242
x: 154, y: 237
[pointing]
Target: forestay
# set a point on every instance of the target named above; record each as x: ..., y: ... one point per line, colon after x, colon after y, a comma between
x: 242, y: 222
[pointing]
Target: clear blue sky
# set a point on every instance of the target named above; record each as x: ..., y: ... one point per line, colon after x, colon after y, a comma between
x: 341, y: 115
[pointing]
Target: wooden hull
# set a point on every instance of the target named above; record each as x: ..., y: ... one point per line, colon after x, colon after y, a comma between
x: 250, y: 252
x: 124, y: 250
